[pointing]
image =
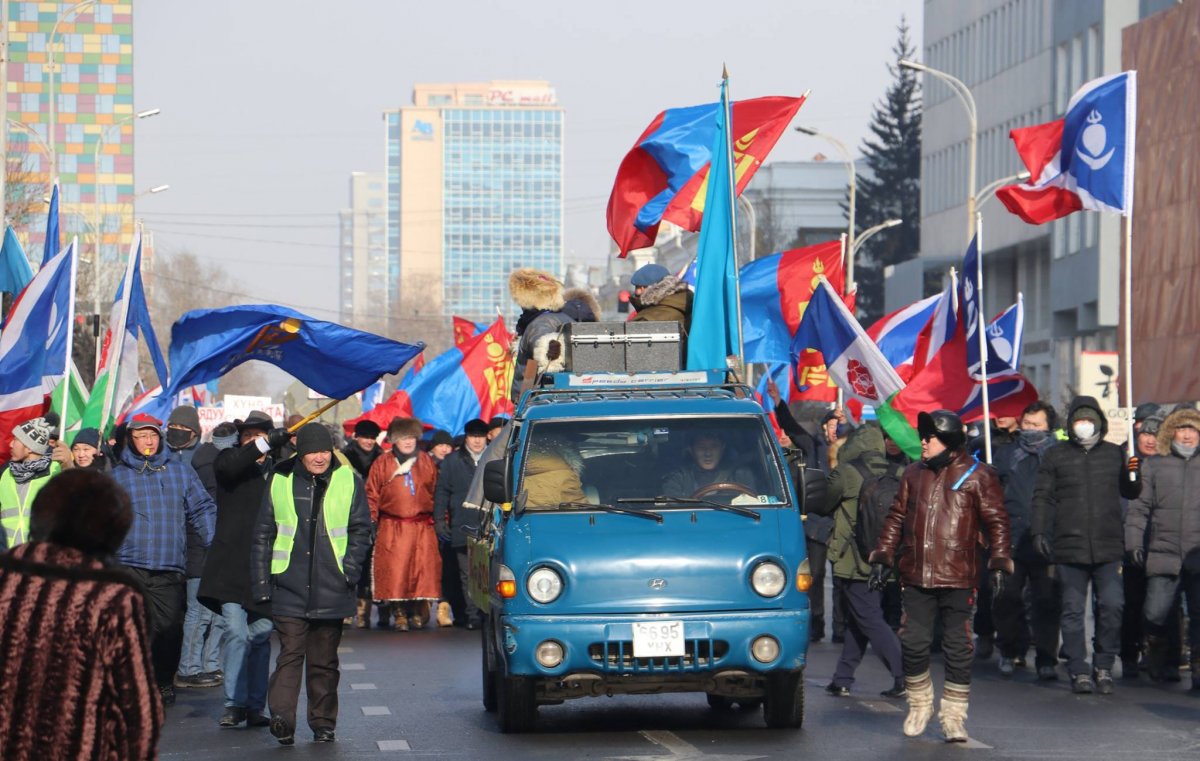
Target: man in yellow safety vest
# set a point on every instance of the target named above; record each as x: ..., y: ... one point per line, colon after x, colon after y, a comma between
x: 309, y: 546
x: 27, y: 472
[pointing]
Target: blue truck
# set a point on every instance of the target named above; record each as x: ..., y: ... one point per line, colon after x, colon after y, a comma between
x: 640, y: 534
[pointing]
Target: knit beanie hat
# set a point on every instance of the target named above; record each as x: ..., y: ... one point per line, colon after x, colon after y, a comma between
x: 89, y: 436
x: 34, y: 434
x: 442, y: 437
x: 313, y: 437
x: 186, y: 416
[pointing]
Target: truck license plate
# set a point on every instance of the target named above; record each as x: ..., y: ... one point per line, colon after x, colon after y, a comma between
x: 657, y: 639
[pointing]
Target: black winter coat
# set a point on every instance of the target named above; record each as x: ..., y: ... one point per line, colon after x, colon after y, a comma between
x: 241, y: 483
x: 1077, y: 496
x: 1018, y: 471
x: 816, y: 527
x: 312, y: 586
x: 360, y: 460
x: 201, y: 459
x: 454, y: 481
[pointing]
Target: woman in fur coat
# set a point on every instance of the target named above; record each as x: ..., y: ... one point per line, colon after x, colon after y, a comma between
x: 407, y: 567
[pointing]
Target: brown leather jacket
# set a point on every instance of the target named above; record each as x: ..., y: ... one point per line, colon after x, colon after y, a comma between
x: 937, y: 531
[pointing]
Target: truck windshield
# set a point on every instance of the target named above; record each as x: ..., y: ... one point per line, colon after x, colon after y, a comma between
x: 727, y: 460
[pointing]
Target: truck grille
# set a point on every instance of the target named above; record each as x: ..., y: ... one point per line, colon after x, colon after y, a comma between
x: 698, y: 655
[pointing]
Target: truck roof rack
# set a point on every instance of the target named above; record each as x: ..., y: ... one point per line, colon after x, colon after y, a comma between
x: 565, y: 387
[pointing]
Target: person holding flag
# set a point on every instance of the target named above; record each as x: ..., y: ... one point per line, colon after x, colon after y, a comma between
x: 946, y: 501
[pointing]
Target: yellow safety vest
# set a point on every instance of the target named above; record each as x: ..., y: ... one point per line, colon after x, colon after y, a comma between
x: 335, y: 508
x: 14, y: 514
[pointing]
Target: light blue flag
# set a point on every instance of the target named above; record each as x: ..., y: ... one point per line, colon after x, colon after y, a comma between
x: 713, y: 335
x: 53, y: 243
x: 14, y: 267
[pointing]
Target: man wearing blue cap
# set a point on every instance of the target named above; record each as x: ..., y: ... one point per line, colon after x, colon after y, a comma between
x: 660, y: 296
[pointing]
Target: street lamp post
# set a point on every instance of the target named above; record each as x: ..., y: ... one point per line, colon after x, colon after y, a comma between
x: 968, y: 100
x: 51, y: 68
x: 96, y: 205
x: 851, y: 171
x: 885, y: 225
x: 990, y: 189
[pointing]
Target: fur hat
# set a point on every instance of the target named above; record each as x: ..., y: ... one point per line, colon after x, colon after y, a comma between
x: 404, y: 426
x: 313, y: 437
x: 1180, y: 418
x: 34, y: 434
x: 580, y: 305
x: 442, y: 437
x: 535, y: 289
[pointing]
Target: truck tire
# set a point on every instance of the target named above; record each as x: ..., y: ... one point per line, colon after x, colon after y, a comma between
x: 516, y: 707
x: 783, y: 704
x: 489, y: 675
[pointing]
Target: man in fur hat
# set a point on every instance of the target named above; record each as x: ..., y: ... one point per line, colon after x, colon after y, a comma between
x: 545, y: 309
x: 1170, y: 551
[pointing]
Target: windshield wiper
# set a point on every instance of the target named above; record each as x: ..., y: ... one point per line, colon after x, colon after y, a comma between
x: 649, y: 514
x: 663, y: 498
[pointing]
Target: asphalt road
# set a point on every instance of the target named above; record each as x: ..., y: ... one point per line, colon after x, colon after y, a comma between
x: 418, y: 692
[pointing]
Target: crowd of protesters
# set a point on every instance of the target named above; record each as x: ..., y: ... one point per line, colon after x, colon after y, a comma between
x: 198, y: 550
x: 1061, y: 519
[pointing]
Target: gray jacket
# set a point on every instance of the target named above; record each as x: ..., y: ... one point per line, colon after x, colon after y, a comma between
x: 1165, y: 519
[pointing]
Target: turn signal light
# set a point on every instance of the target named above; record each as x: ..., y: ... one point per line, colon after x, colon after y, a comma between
x: 804, y: 579
x: 506, y: 583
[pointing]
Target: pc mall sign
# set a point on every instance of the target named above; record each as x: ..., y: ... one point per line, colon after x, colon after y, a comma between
x: 522, y: 96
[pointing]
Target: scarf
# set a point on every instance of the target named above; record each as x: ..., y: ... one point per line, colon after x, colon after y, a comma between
x: 937, y: 462
x: 1184, y: 452
x: 28, y: 470
x: 528, y: 316
x: 1029, y: 445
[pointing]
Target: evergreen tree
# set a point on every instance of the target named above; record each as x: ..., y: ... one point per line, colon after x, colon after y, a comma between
x: 891, y: 189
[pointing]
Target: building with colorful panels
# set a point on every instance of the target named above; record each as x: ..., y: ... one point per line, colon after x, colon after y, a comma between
x: 93, y: 55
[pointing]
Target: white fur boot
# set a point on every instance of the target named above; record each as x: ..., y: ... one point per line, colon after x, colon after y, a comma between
x: 920, y: 703
x: 954, y: 711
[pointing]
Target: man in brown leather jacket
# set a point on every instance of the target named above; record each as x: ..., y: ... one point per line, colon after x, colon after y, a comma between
x: 947, y: 504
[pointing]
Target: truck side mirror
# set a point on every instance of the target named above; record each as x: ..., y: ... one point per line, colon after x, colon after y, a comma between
x: 495, y: 482
x: 814, y: 487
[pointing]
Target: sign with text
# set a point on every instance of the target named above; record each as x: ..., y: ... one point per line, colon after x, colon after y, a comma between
x: 1098, y: 378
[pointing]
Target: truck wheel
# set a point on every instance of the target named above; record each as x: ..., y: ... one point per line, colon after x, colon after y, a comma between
x: 489, y: 675
x: 516, y: 707
x: 719, y: 702
x: 783, y: 704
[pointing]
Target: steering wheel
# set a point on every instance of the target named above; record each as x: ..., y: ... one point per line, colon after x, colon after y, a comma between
x: 704, y: 491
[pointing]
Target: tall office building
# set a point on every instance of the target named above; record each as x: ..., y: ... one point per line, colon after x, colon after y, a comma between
x: 93, y: 57
x: 1022, y: 60
x: 365, y: 293
x: 475, y: 190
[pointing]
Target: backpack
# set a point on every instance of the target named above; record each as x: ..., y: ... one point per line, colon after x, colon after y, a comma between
x: 875, y: 500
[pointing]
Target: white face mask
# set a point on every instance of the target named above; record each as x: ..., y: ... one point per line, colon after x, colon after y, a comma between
x: 1084, y: 429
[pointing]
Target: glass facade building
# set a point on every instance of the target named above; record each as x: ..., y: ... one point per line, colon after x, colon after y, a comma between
x: 93, y: 55
x: 475, y: 189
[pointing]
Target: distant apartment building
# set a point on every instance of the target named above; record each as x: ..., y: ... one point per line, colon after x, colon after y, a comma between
x: 474, y: 190
x: 365, y: 290
x: 1022, y: 60
x: 93, y: 134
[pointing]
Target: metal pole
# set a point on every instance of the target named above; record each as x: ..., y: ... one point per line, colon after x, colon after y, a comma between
x: 737, y: 278
x: 845, y: 286
x: 4, y: 112
x: 73, y: 10
x: 1128, y: 330
x: 980, y: 328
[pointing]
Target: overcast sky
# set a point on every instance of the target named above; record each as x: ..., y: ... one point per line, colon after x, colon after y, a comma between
x: 267, y: 106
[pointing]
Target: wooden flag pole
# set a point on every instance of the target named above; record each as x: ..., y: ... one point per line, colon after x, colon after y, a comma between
x: 64, y: 419
x: 324, y: 408
x: 1128, y: 331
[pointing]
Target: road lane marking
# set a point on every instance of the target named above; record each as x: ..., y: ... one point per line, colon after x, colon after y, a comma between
x: 679, y: 749
x: 376, y: 711
x: 353, y: 667
x: 362, y: 686
x: 880, y: 706
x: 345, y: 650
x: 393, y: 744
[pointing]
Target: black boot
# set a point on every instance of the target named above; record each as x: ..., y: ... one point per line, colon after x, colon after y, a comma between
x: 1156, y: 659
x: 897, y: 690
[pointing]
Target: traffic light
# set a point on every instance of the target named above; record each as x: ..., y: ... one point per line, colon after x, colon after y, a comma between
x: 623, y: 302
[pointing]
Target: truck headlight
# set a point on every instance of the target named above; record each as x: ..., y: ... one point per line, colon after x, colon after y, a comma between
x: 768, y: 579
x: 544, y: 585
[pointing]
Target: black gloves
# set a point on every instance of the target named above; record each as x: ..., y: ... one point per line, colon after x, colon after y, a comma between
x: 277, y: 437
x: 999, y: 582
x: 1136, y: 557
x: 1042, y: 547
x: 879, y: 577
